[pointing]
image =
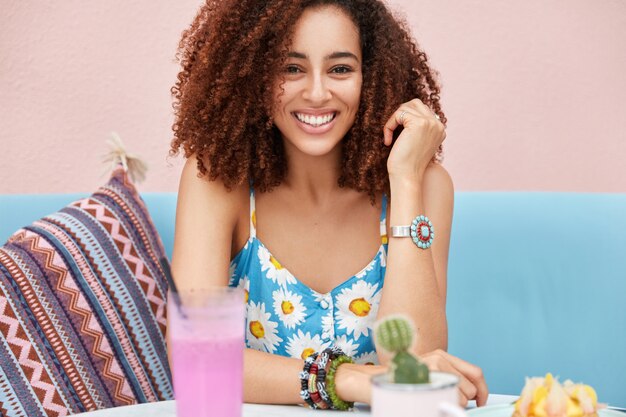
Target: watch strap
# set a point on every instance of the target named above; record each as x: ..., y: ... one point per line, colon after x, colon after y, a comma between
x: 400, y: 231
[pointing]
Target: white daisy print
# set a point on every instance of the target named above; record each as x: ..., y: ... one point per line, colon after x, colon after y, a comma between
x: 275, y: 270
x: 383, y: 256
x: 244, y: 284
x: 288, y: 307
x: 328, y: 324
x: 367, y: 358
x: 347, y: 345
x: 317, y: 297
x: 301, y: 345
x: 357, y: 308
x: 261, y: 332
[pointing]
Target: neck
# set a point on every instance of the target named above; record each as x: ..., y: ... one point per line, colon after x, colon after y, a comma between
x: 313, y: 179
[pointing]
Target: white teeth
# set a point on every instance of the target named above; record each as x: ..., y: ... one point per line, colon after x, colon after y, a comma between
x: 315, y: 121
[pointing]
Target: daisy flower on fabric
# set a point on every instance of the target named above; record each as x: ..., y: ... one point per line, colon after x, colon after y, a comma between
x: 328, y: 323
x: 288, y: 307
x: 244, y: 284
x: 301, y: 345
x: 261, y: 333
x: 357, y: 308
x: 383, y: 256
x: 367, y: 358
x: 273, y: 269
x: 318, y: 297
x: 348, y: 346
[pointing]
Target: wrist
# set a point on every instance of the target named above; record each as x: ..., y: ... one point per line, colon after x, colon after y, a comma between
x: 406, y: 201
x: 405, y: 183
x: 350, y: 384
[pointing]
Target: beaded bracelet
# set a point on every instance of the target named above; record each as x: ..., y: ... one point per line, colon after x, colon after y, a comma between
x: 304, y: 380
x: 313, y: 379
x: 317, y: 384
x: 313, y: 388
x: 324, y: 361
x: 338, y: 403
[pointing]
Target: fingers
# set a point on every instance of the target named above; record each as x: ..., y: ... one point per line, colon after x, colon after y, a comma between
x: 396, y: 119
x: 414, y: 110
x: 474, y: 374
x: 472, y: 383
x: 467, y: 390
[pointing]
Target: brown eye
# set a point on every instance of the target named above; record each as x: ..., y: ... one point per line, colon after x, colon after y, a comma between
x: 341, y: 69
x: 292, y: 69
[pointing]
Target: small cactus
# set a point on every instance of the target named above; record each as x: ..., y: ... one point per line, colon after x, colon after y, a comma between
x: 395, y: 335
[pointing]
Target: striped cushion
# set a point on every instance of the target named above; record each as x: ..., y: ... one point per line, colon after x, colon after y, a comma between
x: 82, y: 308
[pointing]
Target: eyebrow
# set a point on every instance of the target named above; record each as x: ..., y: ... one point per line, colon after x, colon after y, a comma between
x: 334, y: 55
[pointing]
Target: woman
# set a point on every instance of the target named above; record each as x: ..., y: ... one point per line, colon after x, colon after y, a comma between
x: 311, y: 128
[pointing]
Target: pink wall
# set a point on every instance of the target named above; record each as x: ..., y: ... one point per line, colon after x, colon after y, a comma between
x: 535, y: 91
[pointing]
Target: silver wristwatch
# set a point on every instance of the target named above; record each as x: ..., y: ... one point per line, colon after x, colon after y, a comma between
x: 421, y: 231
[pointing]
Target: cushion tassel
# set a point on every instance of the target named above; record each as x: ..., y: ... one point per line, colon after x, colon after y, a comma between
x: 118, y: 155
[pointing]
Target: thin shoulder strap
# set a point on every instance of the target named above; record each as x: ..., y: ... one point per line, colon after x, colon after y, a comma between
x: 252, y: 213
x: 383, y: 220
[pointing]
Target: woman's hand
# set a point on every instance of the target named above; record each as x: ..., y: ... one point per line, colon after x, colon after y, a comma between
x: 472, y: 385
x: 418, y: 142
x: 353, y: 381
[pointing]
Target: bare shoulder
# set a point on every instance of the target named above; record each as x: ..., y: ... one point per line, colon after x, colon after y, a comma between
x: 206, y: 202
x: 207, y: 215
x: 203, y: 188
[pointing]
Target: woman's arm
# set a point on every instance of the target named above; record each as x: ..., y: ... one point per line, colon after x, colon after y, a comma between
x: 415, y: 281
x: 273, y: 379
x: 206, y: 217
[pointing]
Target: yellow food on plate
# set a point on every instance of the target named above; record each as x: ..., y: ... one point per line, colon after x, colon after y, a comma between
x: 546, y: 397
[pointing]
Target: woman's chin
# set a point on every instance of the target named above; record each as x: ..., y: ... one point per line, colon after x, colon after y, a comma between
x: 317, y: 148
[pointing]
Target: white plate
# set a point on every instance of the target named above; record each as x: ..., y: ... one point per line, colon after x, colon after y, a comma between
x: 506, y: 410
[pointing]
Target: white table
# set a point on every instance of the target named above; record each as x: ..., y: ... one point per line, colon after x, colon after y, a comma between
x: 168, y: 409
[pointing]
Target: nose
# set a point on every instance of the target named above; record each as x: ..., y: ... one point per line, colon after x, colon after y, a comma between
x: 317, y: 90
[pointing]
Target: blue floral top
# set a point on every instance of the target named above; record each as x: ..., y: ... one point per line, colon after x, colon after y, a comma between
x: 286, y: 317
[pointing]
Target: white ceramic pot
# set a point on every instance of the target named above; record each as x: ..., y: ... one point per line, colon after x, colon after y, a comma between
x: 438, y: 398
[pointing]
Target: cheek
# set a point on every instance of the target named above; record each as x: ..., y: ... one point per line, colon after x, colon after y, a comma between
x: 351, y: 93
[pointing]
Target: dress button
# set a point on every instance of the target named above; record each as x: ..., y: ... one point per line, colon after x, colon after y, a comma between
x: 324, y: 304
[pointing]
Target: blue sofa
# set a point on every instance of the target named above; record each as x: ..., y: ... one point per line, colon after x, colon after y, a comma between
x: 537, y: 282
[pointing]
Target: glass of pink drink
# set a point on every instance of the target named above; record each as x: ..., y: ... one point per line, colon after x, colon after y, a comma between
x: 207, y: 342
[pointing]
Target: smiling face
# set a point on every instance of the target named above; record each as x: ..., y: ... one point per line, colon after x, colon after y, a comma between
x: 322, y: 82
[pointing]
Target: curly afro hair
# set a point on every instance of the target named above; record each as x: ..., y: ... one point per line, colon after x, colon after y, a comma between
x: 232, y: 54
